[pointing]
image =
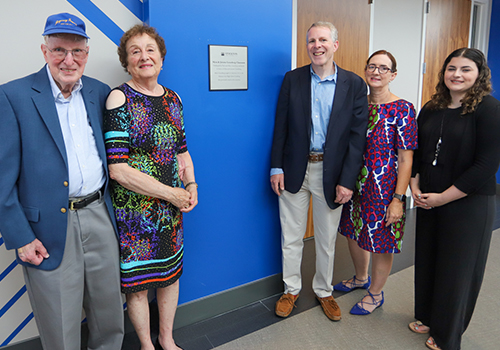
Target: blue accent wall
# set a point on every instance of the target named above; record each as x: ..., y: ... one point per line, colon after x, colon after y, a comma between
x: 494, y: 53
x: 99, y: 19
x: 233, y: 236
x: 494, y: 48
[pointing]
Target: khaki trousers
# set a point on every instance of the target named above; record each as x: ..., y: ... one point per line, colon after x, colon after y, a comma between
x: 293, y: 217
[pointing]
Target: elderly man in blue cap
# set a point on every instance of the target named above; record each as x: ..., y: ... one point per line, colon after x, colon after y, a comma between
x: 55, y: 210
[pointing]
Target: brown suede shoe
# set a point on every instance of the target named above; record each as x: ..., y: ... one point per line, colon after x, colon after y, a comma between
x: 330, y: 307
x: 285, y: 305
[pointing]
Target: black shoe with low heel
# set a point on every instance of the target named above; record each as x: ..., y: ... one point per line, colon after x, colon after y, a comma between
x: 158, y: 346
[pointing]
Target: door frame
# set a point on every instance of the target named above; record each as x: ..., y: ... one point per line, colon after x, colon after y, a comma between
x: 483, y: 25
x: 483, y: 31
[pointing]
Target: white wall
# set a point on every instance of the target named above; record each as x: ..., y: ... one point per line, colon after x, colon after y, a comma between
x: 21, y: 28
x: 397, y: 28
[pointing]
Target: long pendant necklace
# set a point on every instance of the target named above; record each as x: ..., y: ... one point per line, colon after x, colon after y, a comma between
x: 438, y: 144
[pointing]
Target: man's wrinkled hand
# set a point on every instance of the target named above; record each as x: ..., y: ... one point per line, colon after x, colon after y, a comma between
x: 33, y: 253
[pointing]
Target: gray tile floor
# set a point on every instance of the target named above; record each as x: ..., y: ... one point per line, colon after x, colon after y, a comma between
x: 253, y: 326
x: 387, y: 327
x: 217, y: 331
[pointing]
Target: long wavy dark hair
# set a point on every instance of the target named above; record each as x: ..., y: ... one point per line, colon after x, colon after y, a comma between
x: 482, y: 87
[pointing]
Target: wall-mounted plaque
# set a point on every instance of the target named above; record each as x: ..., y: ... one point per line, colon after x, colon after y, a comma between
x: 228, y: 67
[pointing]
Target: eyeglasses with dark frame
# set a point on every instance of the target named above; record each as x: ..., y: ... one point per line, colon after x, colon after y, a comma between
x: 60, y: 53
x: 381, y: 69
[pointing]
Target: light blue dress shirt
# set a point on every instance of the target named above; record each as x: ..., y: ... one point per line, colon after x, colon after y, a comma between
x: 322, y: 95
x: 85, y: 168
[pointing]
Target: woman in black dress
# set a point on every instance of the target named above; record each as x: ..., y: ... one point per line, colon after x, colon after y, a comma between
x: 453, y: 185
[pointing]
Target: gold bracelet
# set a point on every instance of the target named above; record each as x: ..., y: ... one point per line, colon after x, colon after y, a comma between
x: 191, y: 183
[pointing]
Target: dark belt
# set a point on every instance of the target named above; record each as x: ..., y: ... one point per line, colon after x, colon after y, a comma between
x: 315, y: 157
x: 80, y: 203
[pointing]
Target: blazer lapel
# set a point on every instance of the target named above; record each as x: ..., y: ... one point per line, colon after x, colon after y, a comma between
x: 44, y: 102
x: 94, y: 120
x: 341, y: 89
x: 305, y: 83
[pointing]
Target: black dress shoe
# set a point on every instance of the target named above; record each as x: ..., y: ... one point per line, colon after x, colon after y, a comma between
x: 158, y: 346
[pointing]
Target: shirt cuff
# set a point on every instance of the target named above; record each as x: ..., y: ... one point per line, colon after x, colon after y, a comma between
x: 276, y: 171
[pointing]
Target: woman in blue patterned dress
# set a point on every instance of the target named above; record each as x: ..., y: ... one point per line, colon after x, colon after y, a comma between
x: 148, y: 160
x: 374, y: 220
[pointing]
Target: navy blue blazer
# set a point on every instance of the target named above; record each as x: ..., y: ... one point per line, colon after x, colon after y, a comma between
x: 345, y: 137
x: 33, y: 163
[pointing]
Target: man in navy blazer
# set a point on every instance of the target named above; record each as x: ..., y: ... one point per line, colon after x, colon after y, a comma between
x: 55, y: 209
x: 317, y: 151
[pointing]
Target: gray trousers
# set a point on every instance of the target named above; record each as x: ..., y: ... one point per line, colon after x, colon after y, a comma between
x: 88, y: 276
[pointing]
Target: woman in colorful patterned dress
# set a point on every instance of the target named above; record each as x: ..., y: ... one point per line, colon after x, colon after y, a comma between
x: 374, y: 220
x: 148, y: 160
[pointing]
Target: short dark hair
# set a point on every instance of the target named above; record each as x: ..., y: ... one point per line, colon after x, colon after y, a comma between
x: 139, y: 29
x: 388, y: 54
x: 482, y: 86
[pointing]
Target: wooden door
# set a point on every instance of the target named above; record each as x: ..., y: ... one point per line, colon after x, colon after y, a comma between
x: 447, y: 29
x: 352, y: 20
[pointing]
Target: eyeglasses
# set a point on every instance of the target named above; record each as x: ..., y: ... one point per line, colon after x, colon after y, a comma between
x: 60, y: 53
x: 381, y: 69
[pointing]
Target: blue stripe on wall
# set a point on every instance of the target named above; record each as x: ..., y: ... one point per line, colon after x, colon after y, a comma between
x: 136, y: 7
x: 12, y: 301
x: 99, y: 19
x: 1, y: 241
x: 17, y: 330
x: 145, y: 15
x: 8, y: 270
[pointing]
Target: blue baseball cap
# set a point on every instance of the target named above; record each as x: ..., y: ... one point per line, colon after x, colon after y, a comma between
x: 65, y: 23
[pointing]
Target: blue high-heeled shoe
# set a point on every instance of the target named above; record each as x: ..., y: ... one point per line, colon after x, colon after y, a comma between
x: 343, y: 286
x: 358, y: 309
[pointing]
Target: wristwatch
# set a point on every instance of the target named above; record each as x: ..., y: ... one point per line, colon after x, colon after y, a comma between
x: 401, y: 197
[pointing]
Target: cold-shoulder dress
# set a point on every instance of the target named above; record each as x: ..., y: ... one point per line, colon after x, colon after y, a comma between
x: 147, y: 133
